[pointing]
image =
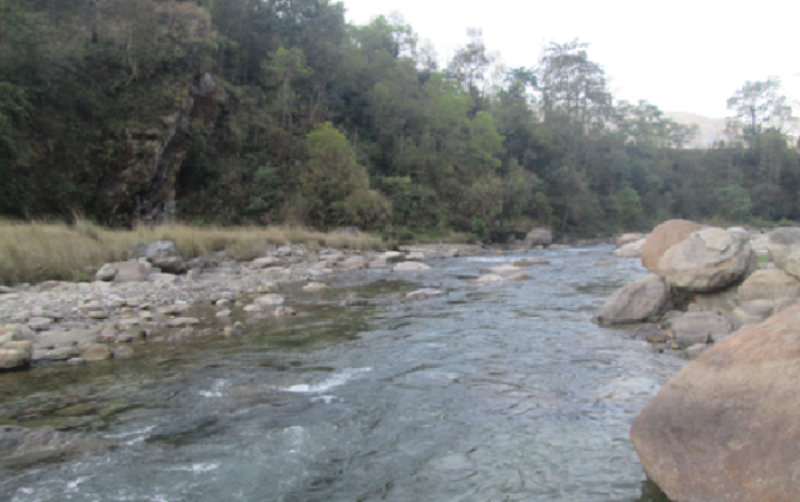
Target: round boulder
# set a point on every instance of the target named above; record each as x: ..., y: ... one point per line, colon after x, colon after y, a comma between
x: 707, y: 260
x: 784, y: 249
x: 664, y: 237
x: 725, y: 427
x: 769, y: 284
x: 641, y: 300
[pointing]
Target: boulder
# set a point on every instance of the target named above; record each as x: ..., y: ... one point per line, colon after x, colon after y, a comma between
x: 269, y: 300
x: 131, y: 271
x: 697, y: 327
x: 769, y: 285
x: 707, y: 260
x: 663, y: 237
x: 784, y: 249
x: 725, y: 427
x: 752, y: 312
x: 313, y: 287
x: 631, y: 249
x: 106, y: 273
x: 646, y: 298
x: 353, y: 263
x: 96, y: 353
x: 15, y: 354
x: 392, y: 257
x: 410, y: 266
x: 625, y: 239
x: 538, y: 237
x: 162, y: 254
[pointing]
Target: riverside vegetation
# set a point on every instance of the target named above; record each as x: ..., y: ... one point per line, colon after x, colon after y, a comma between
x: 250, y: 112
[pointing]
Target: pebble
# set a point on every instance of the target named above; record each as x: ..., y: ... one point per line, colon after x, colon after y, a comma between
x: 97, y: 314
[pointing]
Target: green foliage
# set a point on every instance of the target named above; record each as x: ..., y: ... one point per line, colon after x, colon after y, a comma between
x: 629, y: 208
x: 733, y: 202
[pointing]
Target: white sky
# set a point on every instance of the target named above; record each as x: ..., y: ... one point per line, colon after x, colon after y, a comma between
x: 680, y: 55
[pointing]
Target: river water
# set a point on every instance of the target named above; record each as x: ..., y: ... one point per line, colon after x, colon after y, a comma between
x: 487, y: 393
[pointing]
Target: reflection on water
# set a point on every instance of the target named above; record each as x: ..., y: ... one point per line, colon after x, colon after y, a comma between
x: 500, y: 392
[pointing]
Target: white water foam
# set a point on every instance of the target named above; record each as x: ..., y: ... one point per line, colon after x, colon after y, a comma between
x: 196, y: 468
x: 336, y: 380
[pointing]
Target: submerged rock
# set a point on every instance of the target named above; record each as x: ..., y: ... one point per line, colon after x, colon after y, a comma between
x: 725, y: 427
x: 23, y: 447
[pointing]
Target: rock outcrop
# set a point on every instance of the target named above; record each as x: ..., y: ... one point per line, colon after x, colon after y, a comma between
x: 663, y: 237
x: 725, y: 428
x: 644, y: 299
x: 707, y: 260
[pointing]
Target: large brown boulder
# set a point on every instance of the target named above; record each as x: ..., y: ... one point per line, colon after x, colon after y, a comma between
x: 708, y: 260
x: 664, y: 237
x: 639, y: 301
x: 726, y: 427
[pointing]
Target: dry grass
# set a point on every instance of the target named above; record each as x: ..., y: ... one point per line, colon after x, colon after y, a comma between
x: 38, y: 251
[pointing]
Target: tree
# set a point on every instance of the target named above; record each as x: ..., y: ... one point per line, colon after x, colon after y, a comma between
x: 758, y: 105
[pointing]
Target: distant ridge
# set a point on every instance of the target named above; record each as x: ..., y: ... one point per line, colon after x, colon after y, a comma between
x: 711, y: 129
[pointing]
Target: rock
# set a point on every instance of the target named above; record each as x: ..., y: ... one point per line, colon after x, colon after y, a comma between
x: 697, y: 327
x: 182, y: 322
x: 23, y: 447
x: 106, y: 273
x: 784, y: 249
x: 313, y: 287
x: 760, y: 244
x: 76, y: 361
x: 15, y: 354
x: 122, y: 352
x: 769, y: 285
x: 488, y: 279
x: 267, y: 261
x: 651, y: 333
x: 604, y: 264
x: 253, y: 308
x: 5, y: 290
x: 500, y: 269
x: 752, y: 312
x: 520, y: 276
x: 663, y: 237
x: 353, y: 263
x: 624, y: 239
x: 646, y: 298
x: 530, y: 262
x: 17, y: 332
x: 131, y: 271
x: 724, y: 301
x: 725, y: 427
x: 410, y: 266
x: 39, y: 323
x: 707, y: 260
x: 162, y: 254
x: 392, y: 257
x: 631, y: 250
x: 695, y: 350
x: 423, y: 294
x: 282, y: 312
x: 538, y: 237
x: 223, y: 314
x: 97, y: 314
x: 269, y: 300
x: 559, y: 247
x: 97, y: 353
x: 740, y: 232
x: 415, y: 256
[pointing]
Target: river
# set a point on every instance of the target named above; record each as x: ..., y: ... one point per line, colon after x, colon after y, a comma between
x: 502, y: 392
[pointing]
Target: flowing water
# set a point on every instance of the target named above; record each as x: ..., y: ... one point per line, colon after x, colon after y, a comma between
x: 486, y: 393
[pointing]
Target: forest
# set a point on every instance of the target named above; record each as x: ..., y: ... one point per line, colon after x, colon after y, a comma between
x: 236, y: 112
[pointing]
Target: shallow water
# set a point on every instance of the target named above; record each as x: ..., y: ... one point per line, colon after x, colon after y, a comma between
x: 487, y: 393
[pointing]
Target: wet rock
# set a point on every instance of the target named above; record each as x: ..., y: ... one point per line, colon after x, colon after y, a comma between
x: 182, y: 322
x: 223, y: 314
x: 624, y: 239
x: 725, y: 427
x: 122, y: 352
x: 644, y: 299
x: 697, y: 327
x: 106, y: 273
x: 663, y: 237
x: 97, y: 353
x: 651, y: 333
x: 707, y: 260
x: 282, y: 312
x: 253, y: 308
x: 631, y: 250
x: 531, y: 262
x: 604, y: 264
x: 392, y: 257
x: 500, y: 269
x: 353, y: 263
x: 353, y: 301
x: 15, y: 354
x: 423, y: 294
x: 520, y: 276
x: 76, y: 361
x: 488, y: 279
x: 162, y: 254
x: 313, y: 287
x: 24, y: 447
x: 410, y: 266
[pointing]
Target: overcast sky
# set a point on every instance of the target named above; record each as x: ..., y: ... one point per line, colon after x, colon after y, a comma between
x: 680, y: 55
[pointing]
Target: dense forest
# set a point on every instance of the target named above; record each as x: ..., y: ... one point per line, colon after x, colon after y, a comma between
x: 273, y: 111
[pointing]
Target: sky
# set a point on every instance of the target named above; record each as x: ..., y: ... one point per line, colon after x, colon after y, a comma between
x: 682, y: 56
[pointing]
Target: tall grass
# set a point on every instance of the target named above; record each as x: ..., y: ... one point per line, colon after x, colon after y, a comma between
x: 38, y: 251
